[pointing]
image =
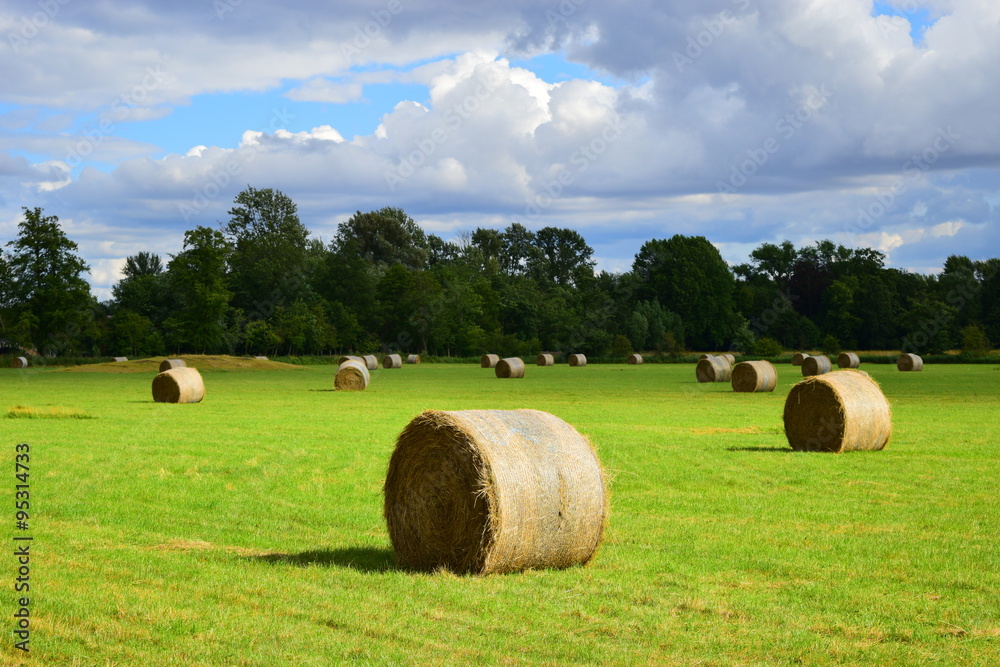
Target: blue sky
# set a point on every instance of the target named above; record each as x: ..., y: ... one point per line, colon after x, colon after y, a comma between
x: 746, y: 122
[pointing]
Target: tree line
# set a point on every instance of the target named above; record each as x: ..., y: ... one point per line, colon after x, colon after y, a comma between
x: 261, y: 284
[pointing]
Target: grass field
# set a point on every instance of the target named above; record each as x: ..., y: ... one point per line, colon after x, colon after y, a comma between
x: 247, y: 530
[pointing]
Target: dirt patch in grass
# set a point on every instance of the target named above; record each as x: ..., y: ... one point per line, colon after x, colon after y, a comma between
x: 713, y: 431
x: 202, y: 362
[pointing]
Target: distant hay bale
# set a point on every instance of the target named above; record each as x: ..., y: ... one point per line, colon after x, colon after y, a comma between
x: 798, y: 358
x: 119, y: 359
x: 714, y: 369
x: 352, y: 376
x: 167, y: 364
x: 492, y: 491
x: 848, y: 360
x: 350, y: 358
x: 909, y: 362
x: 370, y: 361
x: 392, y: 361
x: 489, y: 361
x: 545, y: 360
x: 816, y: 365
x: 510, y: 368
x: 754, y: 376
x: 731, y: 358
x: 178, y: 385
x: 261, y: 358
x: 577, y: 360
x: 413, y: 359
x: 705, y: 356
x: 837, y: 412
x: 634, y: 359
x: 19, y: 362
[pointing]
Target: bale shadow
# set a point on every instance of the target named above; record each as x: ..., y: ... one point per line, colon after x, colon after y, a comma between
x: 322, y: 390
x: 785, y: 450
x: 363, y: 559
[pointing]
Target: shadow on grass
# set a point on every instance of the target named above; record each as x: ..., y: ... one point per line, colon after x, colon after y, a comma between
x: 784, y: 450
x: 362, y: 559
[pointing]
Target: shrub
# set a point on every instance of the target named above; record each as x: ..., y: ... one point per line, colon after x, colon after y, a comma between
x: 621, y: 346
x: 830, y: 346
x: 974, y: 341
x: 767, y: 347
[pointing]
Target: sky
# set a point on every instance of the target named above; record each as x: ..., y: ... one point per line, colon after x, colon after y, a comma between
x: 744, y: 121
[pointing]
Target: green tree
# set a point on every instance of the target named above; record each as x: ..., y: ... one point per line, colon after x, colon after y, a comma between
x: 567, y: 257
x: 385, y: 237
x: 197, y: 279
x: 141, y: 289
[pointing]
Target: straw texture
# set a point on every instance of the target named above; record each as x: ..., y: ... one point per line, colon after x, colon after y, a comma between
x: 178, y: 385
x: 798, y: 358
x: 510, y: 368
x: 909, y: 362
x: 714, y: 369
x: 489, y: 361
x: 167, y: 364
x: 848, y: 360
x: 577, y: 360
x: 837, y: 412
x: 754, y: 376
x: 19, y: 362
x: 352, y: 376
x: 634, y: 359
x: 545, y: 360
x: 413, y: 359
x: 492, y: 491
x: 370, y: 361
x: 392, y: 361
x: 350, y: 358
x: 816, y: 365
x: 730, y: 358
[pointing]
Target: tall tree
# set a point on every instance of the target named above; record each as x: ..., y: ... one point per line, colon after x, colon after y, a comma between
x: 197, y: 278
x: 385, y: 237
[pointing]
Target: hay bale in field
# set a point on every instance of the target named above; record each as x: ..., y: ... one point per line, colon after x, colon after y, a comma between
x: 816, y: 365
x: 754, y: 376
x: 413, y: 359
x: 260, y: 358
x: 731, y: 358
x: 634, y: 359
x: 798, y: 358
x: 510, y: 368
x: 350, y: 358
x: 19, y: 362
x: 909, y: 362
x: 167, y: 364
x: 489, y: 361
x: 392, y: 361
x: 178, y: 385
x: 370, y: 361
x: 491, y: 491
x: 848, y: 360
x: 352, y: 376
x: 714, y: 369
x: 119, y: 359
x: 837, y: 412
x: 577, y: 360
x: 545, y: 360
x: 705, y: 356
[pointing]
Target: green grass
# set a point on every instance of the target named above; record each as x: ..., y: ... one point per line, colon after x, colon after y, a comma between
x: 247, y: 530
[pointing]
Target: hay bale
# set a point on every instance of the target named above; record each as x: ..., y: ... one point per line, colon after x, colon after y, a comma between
x: 837, y: 412
x: 909, y: 362
x: 798, y: 358
x: 167, y: 364
x: 577, y: 360
x: 705, y: 356
x: 352, y: 376
x: 489, y: 361
x: 848, y: 360
x: 19, y: 362
x: 491, y: 491
x: 178, y: 385
x: 392, y: 361
x: 714, y: 369
x: 350, y: 358
x: 119, y: 359
x: 510, y: 368
x: 370, y: 361
x: 731, y: 358
x: 545, y: 360
x: 634, y: 359
x: 413, y: 359
x: 816, y: 365
x: 261, y: 358
x: 754, y: 376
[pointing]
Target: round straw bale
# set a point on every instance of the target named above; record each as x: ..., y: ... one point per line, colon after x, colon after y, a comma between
x: 352, y: 376
x: 837, y: 412
x: 545, y: 360
x: 413, y: 359
x: 816, y: 365
x: 370, y: 361
x: 848, y: 360
x: 634, y: 359
x: 178, y: 385
x: 119, y: 359
x: 577, y: 360
x: 489, y: 361
x: 167, y: 364
x: 491, y: 491
x: 510, y: 368
x: 705, y: 356
x: 909, y: 362
x: 19, y: 362
x: 350, y: 358
x: 714, y: 369
x: 754, y: 376
x: 731, y: 358
x: 260, y: 358
x: 798, y: 358
x: 392, y: 361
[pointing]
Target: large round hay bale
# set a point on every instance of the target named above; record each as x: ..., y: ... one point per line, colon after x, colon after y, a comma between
x: 370, y: 361
x: 510, y: 368
x: 798, y: 358
x: 489, y: 361
x: 634, y: 359
x: 352, y: 376
x: 167, y: 364
x: 19, y: 362
x: 837, y: 412
x: 392, y: 361
x: 848, y: 360
x: 816, y: 365
x: 545, y: 360
x: 490, y: 491
x: 178, y: 385
x: 731, y: 358
x: 714, y: 369
x: 350, y: 357
x: 909, y: 362
x: 413, y: 359
x: 754, y: 376
x: 119, y: 359
x: 577, y: 360
x: 705, y: 356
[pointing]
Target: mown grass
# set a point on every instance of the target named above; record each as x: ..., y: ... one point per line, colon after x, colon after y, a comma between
x: 247, y: 530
